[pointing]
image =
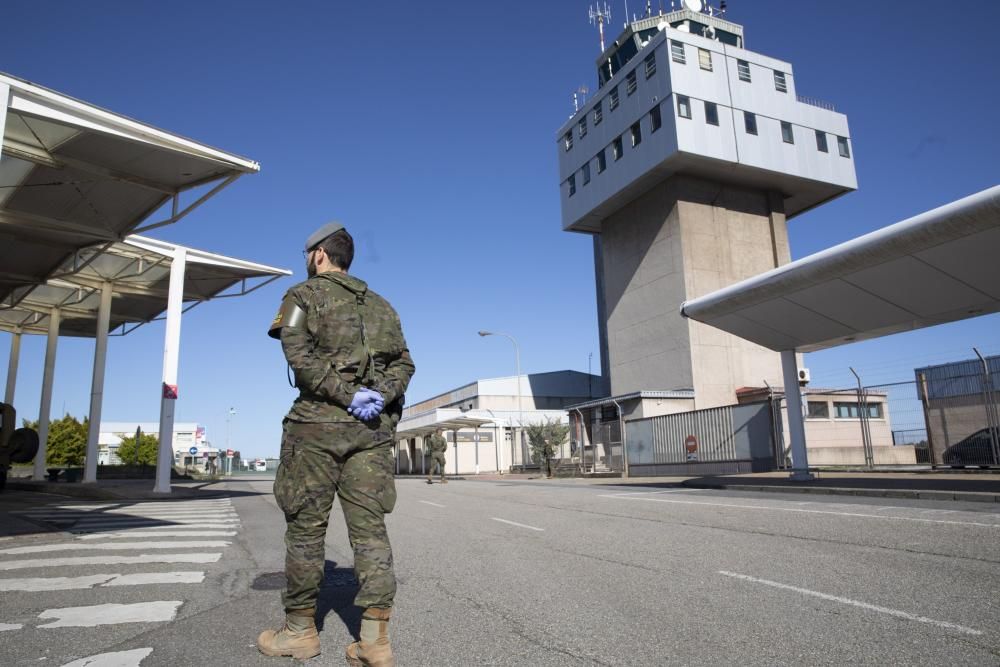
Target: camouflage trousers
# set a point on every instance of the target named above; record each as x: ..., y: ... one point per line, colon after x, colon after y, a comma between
x: 437, y: 463
x: 355, y: 463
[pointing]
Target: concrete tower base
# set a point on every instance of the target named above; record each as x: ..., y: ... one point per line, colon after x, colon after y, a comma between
x: 685, y: 238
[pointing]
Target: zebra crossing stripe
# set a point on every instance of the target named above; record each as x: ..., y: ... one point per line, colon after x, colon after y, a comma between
x: 135, y: 533
x: 73, y: 546
x: 111, y: 614
x: 5, y: 627
x: 41, y: 584
x: 110, y: 560
x: 117, y: 659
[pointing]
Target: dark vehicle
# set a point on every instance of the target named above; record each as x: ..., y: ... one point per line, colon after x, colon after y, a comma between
x: 975, y: 450
x: 17, y: 445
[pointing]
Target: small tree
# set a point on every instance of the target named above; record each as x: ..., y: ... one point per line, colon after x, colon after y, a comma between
x: 544, y: 439
x: 149, y: 447
x: 67, y: 442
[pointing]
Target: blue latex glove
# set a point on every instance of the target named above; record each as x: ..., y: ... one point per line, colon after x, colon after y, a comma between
x: 366, y: 404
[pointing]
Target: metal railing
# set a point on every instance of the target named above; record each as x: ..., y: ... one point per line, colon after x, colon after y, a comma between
x: 812, y: 101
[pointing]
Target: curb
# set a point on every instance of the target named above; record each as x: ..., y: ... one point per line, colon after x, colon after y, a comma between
x: 963, y: 496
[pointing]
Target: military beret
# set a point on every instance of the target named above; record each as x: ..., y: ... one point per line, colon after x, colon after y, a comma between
x: 317, y: 237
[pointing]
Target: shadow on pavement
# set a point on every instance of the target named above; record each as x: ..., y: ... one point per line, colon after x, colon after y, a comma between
x: 337, y: 594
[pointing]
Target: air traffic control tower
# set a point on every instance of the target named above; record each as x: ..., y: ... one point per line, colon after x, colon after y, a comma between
x: 685, y: 166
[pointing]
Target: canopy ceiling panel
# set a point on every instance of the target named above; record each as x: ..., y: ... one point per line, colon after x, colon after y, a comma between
x: 73, y: 174
x: 937, y: 267
x: 138, y: 271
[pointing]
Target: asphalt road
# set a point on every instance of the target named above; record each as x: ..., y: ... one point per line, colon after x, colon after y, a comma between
x: 517, y: 573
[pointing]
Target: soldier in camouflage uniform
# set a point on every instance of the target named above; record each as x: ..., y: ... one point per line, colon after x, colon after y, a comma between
x: 437, y: 446
x: 345, y: 346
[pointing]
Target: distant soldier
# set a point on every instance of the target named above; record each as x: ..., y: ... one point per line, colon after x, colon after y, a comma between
x: 437, y: 446
x: 345, y: 345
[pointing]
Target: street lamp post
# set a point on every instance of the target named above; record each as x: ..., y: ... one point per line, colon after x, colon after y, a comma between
x: 517, y: 362
x: 229, y: 417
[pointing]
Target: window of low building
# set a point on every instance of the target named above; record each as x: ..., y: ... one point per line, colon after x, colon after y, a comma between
x: 655, y: 120
x: 750, y: 122
x: 819, y: 410
x: 705, y: 59
x: 845, y: 150
x: 743, y: 67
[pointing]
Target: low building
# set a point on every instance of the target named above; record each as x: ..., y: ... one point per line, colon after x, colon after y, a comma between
x: 483, y: 421
x: 187, y: 435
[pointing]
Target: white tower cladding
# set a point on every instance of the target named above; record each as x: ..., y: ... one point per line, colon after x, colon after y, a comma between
x: 685, y: 165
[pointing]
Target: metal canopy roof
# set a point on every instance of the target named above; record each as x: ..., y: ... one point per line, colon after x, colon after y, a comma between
x: 72, y: 174
x: 139, y: 272
x: 937, y: 267
x: 453, y: 424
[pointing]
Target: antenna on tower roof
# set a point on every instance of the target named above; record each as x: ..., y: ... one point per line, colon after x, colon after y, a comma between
x: 600, y: 16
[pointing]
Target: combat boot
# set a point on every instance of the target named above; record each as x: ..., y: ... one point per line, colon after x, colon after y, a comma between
x: 373, y: 649
x: 429, y: 480
x: 298, y: 638
x: 444, y: 481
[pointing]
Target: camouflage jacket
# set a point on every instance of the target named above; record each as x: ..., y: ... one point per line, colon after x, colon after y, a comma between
x: 437, y: 444
x: 352, y: 338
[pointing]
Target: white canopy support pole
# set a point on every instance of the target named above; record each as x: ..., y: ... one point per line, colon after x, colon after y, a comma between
x: 46, y: 405
x: 475, y: 439
x: 15, y: 357
x: 796, y: 424
x: 171, y: 355
x: 97, y: 384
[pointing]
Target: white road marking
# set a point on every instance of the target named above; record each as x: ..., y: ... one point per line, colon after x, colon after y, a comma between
x: 514, y: 523
x: 794, y: 509
x: 134, y: 533
x: 143, y: 578
x: 73, y: 546
x: 131, y: 658
x: 427, y: 502
x: 5, y: 627
x: 111, y: 614
x: 855, y: 603
x: 36, y: 584
x: 110, y: 560
x: 39, y: 584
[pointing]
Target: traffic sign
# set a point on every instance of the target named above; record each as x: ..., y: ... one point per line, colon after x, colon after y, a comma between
x: 193, y: 451
x: 691, y: 445
x: 229, y: 453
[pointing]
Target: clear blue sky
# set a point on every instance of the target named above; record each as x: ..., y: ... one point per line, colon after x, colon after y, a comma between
x: 429, y: 129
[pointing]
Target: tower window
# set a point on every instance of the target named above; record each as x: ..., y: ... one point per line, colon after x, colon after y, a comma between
x: 613, y: 98
x: 586, y: 173
x: 571, y: 182
x: 743, y: 67
x: 683, y: 107
x: 821, y: 141
x: 786, y: 133
x: 650, y: 65
x: 779, y: 82
x: 568, y: 140
x: 705, y: 59
x: 711, y: 113
x: 677, y: 52
x: 616, y: 148
x: 602, y: 162
x: 655, y: 120
x: 845, y: 150
x: 750, y: 122
x: 630, y: 83
x: 598, y: 112
x: 636, y: 131
x: 582, y: 127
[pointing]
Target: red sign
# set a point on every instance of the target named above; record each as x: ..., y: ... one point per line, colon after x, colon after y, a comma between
x: 229, y: 453
x: 169, y: 390
x: 691, y: 444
